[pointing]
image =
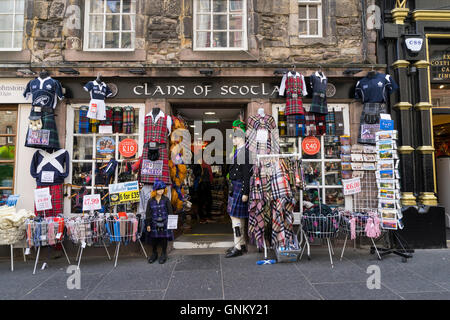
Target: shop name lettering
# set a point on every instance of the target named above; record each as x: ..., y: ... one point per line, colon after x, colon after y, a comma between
x: 206, y: 90
x: 442, y: 67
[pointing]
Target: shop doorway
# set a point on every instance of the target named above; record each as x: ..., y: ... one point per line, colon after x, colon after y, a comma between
x: 207, y: 225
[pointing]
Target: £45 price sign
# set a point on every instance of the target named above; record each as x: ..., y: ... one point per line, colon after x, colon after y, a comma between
x: 91, y: 202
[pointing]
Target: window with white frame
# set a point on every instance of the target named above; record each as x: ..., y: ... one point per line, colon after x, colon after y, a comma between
x: 11, y: 24
x: 310, y: 22
x: 90, y: 150
x: 220, y: 25
x: 109, y: 25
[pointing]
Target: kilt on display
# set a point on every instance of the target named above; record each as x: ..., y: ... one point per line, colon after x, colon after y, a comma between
x: 370, y: 122
x: 149, y: 170
x: 57, y: 194
x: 236, y: 207
x: 294, y: 85
x: 47, y: 136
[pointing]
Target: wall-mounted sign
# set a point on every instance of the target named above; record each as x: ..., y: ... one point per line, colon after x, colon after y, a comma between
x: 11, y: 90
x: 128, y: 148
x: 414, y: 44
x: 311, y: 145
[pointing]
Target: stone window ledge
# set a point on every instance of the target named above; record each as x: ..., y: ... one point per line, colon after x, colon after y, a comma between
x: 15, y: 56
x: 297, y: 41
x: 78, y: 55
x: 190, y: 55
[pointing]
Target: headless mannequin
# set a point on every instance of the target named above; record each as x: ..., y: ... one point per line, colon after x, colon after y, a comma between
x: 155, y: 112
x: 43, y: 74
x: 371, y: 74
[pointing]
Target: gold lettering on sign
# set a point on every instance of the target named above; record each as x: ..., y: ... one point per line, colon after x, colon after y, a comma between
x: 400, y: 4
x: 440, y: 66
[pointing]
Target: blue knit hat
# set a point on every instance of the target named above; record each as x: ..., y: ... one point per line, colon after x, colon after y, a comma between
x: 159, y: 185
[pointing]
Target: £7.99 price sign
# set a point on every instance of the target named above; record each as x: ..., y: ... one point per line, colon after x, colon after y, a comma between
x: 91, y: 202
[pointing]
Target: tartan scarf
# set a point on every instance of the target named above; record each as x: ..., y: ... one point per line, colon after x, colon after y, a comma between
x: 128, y: 120
x: 83, y: 123
x: 117, y: 119
x: 310, y: 124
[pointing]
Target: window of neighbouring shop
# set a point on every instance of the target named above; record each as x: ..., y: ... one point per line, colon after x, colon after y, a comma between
x: 220, y: 25
x: 310, y: 18
x: 11, y: 24
x: 91, y: 147
x: 8, y: 132
x: 322, y: 169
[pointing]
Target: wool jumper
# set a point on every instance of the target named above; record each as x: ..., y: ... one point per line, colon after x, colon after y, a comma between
x: 48, y: 168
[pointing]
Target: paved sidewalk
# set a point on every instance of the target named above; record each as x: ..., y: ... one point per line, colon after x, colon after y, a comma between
x: 426, y: 276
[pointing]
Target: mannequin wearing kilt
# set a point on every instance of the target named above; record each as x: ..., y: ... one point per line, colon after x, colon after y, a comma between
x: 239, y: 173
x: 42, y: 133
x: 158, y: 210
x: 293, y: 84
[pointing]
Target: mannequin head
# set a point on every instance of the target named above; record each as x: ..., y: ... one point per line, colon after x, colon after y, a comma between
x: 155, y: 111
x: 43, y: 74
x: 239, y: 133
x: 99, y: 78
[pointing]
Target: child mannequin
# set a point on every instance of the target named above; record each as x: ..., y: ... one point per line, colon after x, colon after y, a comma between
x: 158, y: 210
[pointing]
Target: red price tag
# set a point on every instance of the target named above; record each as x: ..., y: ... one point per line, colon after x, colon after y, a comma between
x: 311, y: 145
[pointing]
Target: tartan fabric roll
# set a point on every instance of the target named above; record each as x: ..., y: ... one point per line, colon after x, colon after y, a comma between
x: 310, y: 124
x: 128, y: 120
x: 320, y: 124
x: 300, y: 125
x: 83, y: 124
x: 282, y: 122
x: 117, y: 119
x: 330, y: 123
x: 291, y: 125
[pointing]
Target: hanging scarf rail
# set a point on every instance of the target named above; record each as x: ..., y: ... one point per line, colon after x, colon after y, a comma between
x: 86, y: 230
x: 361, y: 224
x: 124, y: 229
x: 42, y: 232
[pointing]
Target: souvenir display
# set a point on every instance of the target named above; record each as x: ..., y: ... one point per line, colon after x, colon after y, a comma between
x: 98, y: 91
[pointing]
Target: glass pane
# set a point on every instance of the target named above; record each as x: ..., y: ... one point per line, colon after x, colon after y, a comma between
x: 220, y: 22
x: 204, y: 5
x: 128, y: 22
x: 6, y: 6
x: 82, y: 148
x: 129, y: 6
x: 112, y: 6
x: 135, y: 138
x: 105, y: 147
x: 82, y: 174
x: 19, y: 22
x: 127, y: 40
x: 20, y: 6
x: 236, y: 40
x: 18, y: 39
x: 302, y: 12
x: 96, y: 23
x: 100, y: 179
x: 7, y: 148
x: 203, y: 22
x: 236, y: 5
x: 95, y: 40
x: 6, y: 175
x: 220, y: 39
x: 4, y: 194
x: 203, y: 39
x: 302, y: 28
x: 334, y: 197
x: 236, y: 22
x: 112, y: 40
x: 332, y: 147
x: 313, y: 12
x: 288, y: 145
x: 333, y: 173
x: 96, y: 6
x: 313, y: 172
x: 112, y: 23
x: 6, y: 22
x: 220, y: 5
x: 311, y: 195
x: 313, y: 28
x: 8, y: 122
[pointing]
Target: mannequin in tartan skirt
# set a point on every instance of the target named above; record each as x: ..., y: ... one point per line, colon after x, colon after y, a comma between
x: 158, y: 210
x: 240, y: 173
x: 293, y: 84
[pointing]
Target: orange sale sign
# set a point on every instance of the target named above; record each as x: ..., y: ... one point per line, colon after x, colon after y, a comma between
x: 128, y: 148
x: 311, y: 145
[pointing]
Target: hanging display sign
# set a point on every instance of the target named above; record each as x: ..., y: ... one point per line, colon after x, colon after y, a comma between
x: 152, y: 168
x: 128, y: 148
x: 42, y: 199
x: 91, y: 202
x: 106, y: 146
x: 172, y: 222
x: 126, y: 192
x: 351, y: 186
x: 311, y: 145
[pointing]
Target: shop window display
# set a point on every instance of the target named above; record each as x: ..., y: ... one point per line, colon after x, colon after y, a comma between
x: 93, y: 147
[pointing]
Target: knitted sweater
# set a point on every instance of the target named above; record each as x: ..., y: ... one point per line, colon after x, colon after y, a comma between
x: 48, y: 168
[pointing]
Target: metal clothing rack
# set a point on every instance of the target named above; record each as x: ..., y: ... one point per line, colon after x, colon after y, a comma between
x: 277, y: 156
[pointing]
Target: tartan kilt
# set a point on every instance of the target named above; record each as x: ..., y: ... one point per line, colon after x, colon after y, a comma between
x: 48, y: 123
x: 294, y: 106
x: 83, y: 123
x: 318, y: 104
x: 236, y: 208
x: 57, y: 194
x: 163, y: 155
